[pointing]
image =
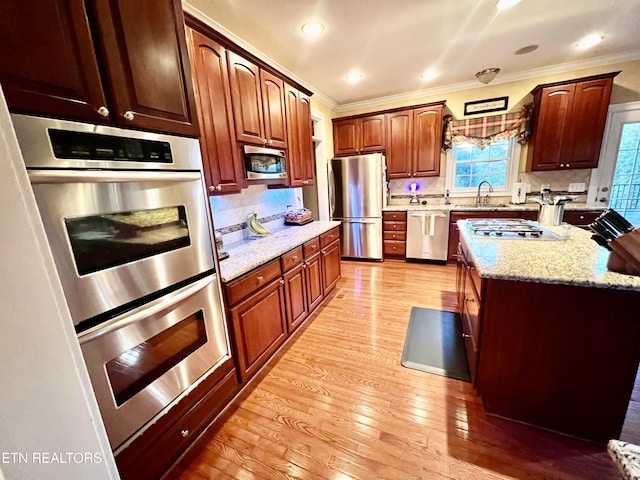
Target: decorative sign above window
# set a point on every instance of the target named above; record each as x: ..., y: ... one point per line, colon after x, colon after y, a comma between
x: 484, y: 106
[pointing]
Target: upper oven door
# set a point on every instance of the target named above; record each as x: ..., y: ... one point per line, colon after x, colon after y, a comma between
x: 117, y: 236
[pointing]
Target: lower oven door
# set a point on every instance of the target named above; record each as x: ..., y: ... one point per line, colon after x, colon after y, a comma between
x: 143, y: 361
x: 118, y: 236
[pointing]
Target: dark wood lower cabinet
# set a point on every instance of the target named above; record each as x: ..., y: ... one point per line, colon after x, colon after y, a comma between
x: 330, y: 266
x: 152, y: 454
x: 561, y: 357
x: 295, y: 291
x: 259, y: 327
x: 313, y: 273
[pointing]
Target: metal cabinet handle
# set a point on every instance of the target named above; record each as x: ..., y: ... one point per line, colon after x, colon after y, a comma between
x: 295, y: 257
x: 464, y: 335
x: 260, y: 278
x: 128, y: 115
x: 212, y: 188
x: 185, y: 433
x: 282, y: 281
x: 103, y: 111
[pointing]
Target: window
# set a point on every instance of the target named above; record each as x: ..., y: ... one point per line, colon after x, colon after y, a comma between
x: 468, y: 165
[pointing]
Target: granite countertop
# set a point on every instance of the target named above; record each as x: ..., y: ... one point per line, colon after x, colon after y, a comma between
x: 509, y: 207
x: 576, y: 261
x: 248, y: 254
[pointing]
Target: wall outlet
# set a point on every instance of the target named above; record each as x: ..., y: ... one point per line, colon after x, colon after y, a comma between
x: 576, y: 187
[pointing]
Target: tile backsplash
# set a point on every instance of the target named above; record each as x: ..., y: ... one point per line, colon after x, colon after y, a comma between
x: 230, y: 211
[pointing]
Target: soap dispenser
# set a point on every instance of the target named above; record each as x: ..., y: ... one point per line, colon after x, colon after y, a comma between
x: 414, y: 195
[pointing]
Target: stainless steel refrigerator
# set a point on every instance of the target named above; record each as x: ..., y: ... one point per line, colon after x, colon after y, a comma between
x: 357, y: 194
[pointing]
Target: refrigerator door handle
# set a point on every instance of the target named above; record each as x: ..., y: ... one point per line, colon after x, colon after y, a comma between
x: 360, y: 221
x: 332, y: 192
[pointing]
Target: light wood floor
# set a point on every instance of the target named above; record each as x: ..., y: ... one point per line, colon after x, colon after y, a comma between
x: 337, y: 404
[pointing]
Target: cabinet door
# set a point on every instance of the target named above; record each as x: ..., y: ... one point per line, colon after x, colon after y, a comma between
x: 589, y: 114
x: 48, y: 64
x: 147, y: 64
x: 551, y: 126
x: 295, y: 168
x: 246, y: 99
x: 222, y: 165
x: 272, y: 91
x: 330, y: 266
x: 399, y: 144
x: 372, y: 134
x: 307, y: 150
x: 427, y: 141
x: 313, y: 272
x: 259, y: 327
x: 295, y: 290
x: 346, y: 137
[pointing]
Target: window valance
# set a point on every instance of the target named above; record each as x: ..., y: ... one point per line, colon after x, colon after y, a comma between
x: 481, y: 131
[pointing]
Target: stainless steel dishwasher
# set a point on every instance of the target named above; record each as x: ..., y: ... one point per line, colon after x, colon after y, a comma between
x: 427, y: 234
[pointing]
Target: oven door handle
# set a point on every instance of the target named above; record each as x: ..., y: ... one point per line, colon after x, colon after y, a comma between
x: 139, y: 314
x: 109, y: 176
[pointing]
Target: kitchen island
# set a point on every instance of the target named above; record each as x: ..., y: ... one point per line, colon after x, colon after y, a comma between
x: 552, y: 337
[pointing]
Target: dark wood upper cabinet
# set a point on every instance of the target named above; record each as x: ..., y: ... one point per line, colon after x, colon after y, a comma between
x: 427, y: 141
x: 222, y: 165
x: 275, y: 129
x: 568, y: 123
x: 300, y: 157
x: 414, y: 140
x: 399, y: 144
x: 48, y: 62
x: 258, y: 103
x: 353, y: 136
x: 118, y: 62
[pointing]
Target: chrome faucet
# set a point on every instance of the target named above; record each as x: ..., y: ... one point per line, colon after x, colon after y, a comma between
x: 478, y: 195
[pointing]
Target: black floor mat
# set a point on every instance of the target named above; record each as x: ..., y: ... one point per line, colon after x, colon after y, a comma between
x: 434, y: 344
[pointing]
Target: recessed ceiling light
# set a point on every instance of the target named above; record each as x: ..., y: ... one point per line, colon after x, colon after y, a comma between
x: 505, y: 4
x: 527, y: 49
x: 589, y: 41
x: 312, y: 29
x: 429, y: 75
x: 354, y: 77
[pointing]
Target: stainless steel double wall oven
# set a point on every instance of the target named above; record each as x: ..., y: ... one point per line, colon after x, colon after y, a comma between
x: 126, y: 217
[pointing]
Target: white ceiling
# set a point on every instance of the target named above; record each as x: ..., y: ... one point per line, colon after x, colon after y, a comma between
x: 393, y: 41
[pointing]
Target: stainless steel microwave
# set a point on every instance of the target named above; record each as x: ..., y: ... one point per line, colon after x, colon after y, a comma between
x: 264, y: 163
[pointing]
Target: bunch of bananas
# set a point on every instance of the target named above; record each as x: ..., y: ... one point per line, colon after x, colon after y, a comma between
x: 255, y: 226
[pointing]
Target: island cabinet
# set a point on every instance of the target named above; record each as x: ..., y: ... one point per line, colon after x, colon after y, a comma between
x: 357, y: 135
x: 469, y: 289
x: 258, y: 103
x: 568, y: 123
x: 301, y: 165
x: 98, y: 62
x: 394, y: 234
x: 454, y: 232
x: 222, y: 164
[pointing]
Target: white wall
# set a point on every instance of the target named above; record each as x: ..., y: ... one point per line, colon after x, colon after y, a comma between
x: 47, y: 408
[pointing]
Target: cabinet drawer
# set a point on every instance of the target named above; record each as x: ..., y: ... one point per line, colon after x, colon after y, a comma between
x: 472, y: 309
x: 291, y: 259
x: 329, y: 237
x: 394, y: 248
x: 248, y: 283
x: 394, y: 216
x: 311, y: 247
x: 580, y: 219
x: 389, y: 226
x: 399, y: 236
